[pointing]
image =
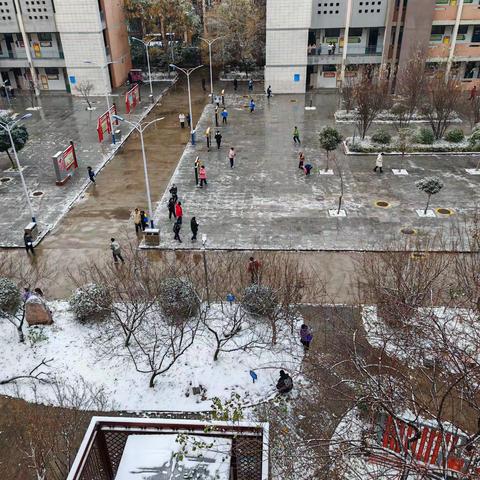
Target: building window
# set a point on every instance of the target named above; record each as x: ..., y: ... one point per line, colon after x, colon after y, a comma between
x: 52, y: 73
x: 355, y: 32
x: 44, y: 37
x: 332, y: 32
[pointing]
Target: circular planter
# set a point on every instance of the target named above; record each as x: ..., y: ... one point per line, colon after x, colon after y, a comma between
x: 37, y: 193
x: 382, y: 204
x: 408, y: 231
x: 445, y: 211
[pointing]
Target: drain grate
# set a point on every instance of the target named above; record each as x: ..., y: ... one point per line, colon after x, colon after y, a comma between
x: 382, y: 204
x: 444, y: 211
x: 408, y: 231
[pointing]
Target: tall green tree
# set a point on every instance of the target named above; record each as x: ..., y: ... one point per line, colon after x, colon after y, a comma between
x: 330, y: 139
x: 19, y: 136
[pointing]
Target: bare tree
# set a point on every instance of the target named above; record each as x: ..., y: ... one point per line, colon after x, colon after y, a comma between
x: 85, y: 88
x: 371, y: 97
x: 441, y: 101
x: 469, y: 107
x: 36, y: 373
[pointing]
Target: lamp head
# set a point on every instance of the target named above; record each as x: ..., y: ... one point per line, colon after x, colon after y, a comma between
x: 204, y: 239
x: 118, y: 117
x: 26, y: 116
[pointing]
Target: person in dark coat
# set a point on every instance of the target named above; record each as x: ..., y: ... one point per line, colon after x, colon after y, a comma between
x: 235, y: 84
x: 194, y: 228
x: 171, y: 208
x: 28, y: 240
x: 144, y: 218
x: 285, y: 382
x: 305, y: 337
x: 189, y: 119
x: 173, y: 191
x: 218, y: 138
x: 176, y: 230
x: 91, y: 174
x: 307, y: 169
x: 203, y: 85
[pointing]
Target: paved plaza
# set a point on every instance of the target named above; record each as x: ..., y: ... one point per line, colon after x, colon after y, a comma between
x: 62, y: 118
x: 266, y: 202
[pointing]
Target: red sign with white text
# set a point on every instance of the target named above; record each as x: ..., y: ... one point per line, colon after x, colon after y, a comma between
x: 68, y: 159
x: 103, y: 123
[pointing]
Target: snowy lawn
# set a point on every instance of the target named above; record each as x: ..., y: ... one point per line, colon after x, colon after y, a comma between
x: 76, y: 358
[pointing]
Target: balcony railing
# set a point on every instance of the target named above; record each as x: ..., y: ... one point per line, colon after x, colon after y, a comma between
x: 352, y: 50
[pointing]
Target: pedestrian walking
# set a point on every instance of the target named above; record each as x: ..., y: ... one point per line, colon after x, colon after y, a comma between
x: 305, y: 337
x: 307, y: 169
x: 330, y: 48
x: 269, y: 92
x: 216, y: 116
x: 231, y: 156
x: 179, y: 212
x: 218, y: 138
x: 253, y: 268
x: 217, y: 101
x: 224, y: 116
x: 91, y: 174
x: 173, y: 191
x: 334, y: 47
x: 196, y: 168
x: 285, y: 382
x: 250, y: 85
x: 208, y: 137
x: 473, y: 92
x: 235, y: 84
x: 296, y: 135
x: 181, y: 119
x: 223, y: 98
x: 171, y: 208
x: 252, y: 105
x: 379, y: 163
x: 144, y: 218
x: 26, y: 294
x: 28, y: 241
x: 203, y: 85
x: 116, y: 251
x: 137, y: 220
x: 194, y: 227
x: 176, y: 230
x: 301, y: 160
x: 189, y: 119
x: 203, y: 176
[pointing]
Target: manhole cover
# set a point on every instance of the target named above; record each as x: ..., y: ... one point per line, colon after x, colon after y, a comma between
x: 418, y: 255
x: 408, y: 231
x: 444, y: 211
x: 292, y: 100
x: 382, y: 204
x: 5, y: 179
x: 38, y: 193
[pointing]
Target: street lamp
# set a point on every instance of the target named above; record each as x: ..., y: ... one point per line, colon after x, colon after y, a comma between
x: 210, y: 43
x: 140, y: 129
x: 146, y: 45
x: 188, y: 72
x: 204, y: 243
x: 8, y: 128
x: 107, y: 92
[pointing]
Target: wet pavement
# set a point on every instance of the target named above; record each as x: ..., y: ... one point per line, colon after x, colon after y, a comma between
x: 266, y: 202
x: 61, y: 119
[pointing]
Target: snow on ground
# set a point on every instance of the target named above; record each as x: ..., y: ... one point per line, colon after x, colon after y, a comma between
x: 431, y: 327
x: 75, y: 359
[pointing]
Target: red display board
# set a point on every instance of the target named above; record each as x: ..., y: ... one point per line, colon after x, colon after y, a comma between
x: 132, y: 99
x: 103, y: 123
x: 67, y: 160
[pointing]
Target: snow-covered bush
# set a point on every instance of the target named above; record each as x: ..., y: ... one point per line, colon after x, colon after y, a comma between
x: 259, y: 300
x: 425, y: 136
x: 455, y: 135
x: 178, y: 298
x: 90, y: 302
x: 474, y: 139
x: 10, y: 299
x: 382, y: 136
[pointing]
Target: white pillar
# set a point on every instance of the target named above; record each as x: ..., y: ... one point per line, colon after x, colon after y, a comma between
x: 348, y: 19
x: 453, y: 43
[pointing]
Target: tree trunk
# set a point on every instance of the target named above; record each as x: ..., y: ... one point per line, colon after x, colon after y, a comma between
x: 21, y: 336
x: 274, y: 332
x: 339, y: 203
x: 152, y: 379
x: 217, y: 352
x: 127, y: 339
x: 326, y: 168
x: 428, y: 202
x: 11, y: 161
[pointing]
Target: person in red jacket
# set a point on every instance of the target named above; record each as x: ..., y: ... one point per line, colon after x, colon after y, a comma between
x: 203, y: 176
x: 179, y: 212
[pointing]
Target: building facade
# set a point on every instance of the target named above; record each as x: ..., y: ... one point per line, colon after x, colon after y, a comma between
x: 306, y: 46
x: 53, y: 45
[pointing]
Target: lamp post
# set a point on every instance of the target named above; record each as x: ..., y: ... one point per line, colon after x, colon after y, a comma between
x: 146, y: 45
x: 204, y: 242
x: 188, y: 72
x: 8, y: 128
x: 107, y: 90
x: 210, y: 43
x: 140, y: 129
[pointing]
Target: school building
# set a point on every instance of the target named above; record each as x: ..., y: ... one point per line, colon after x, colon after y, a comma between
x: 318, y: 43
x: 52, y: 45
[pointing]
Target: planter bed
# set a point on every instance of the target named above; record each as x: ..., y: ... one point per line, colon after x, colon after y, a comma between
x: 341, y: 116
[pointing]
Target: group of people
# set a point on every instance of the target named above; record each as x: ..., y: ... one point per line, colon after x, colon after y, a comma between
x: 175, y: 210
x: 313, y: 49
x: 285, y: 382
x: 140, y: 220
x: 182, y: 117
